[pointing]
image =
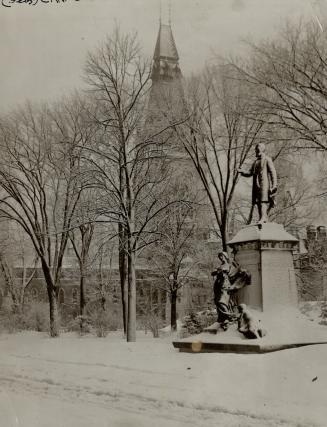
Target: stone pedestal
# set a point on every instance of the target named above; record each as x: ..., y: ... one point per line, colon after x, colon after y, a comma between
x: 267, y: 253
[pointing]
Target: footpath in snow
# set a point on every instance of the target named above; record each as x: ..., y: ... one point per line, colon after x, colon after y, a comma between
x: 88, y: 381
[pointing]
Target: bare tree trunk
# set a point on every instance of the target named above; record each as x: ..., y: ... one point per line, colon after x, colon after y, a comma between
x: 123, y: 264
x: 84, y: 252
x: 82, y: 257
x: 82, y: 299
x: 82, y: 294
x: 54, y: 318
x: 131, y: 325
x: 159, y: 302
x: 9, y: 282
x: 52, y: 296
x: 125, y: 291
x: 224, y: 230
x: 123, y: 273
x: 173, y: 310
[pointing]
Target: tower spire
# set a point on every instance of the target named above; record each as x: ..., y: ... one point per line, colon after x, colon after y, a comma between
x: 169, y: 13
x: 165, y: 58
x: 160, y: 12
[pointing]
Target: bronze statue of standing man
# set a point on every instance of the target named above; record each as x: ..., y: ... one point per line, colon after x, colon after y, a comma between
x: 264, y: 186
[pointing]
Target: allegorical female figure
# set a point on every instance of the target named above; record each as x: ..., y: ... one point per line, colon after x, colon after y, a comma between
x: 229, y: 277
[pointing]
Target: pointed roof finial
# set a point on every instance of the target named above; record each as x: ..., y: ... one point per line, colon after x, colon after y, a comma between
x: 160, y: 11
x: 165, y: 45
x: 169, y: 12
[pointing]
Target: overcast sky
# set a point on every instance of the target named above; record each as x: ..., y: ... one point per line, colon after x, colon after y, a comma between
x: 43, y: 47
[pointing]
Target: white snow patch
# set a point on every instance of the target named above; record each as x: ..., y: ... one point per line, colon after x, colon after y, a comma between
x: 72, y: 381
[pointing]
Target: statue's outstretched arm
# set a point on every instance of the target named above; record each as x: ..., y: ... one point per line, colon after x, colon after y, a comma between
x: 248, y: 173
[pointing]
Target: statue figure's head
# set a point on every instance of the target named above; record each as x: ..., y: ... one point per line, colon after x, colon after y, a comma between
x: 223, y: 256
x: 260, y: 150
x: 241, y: 308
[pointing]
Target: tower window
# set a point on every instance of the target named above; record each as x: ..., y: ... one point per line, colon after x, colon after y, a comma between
x: 34, y: 294
x: 74, y: 296
x: 61, y: 296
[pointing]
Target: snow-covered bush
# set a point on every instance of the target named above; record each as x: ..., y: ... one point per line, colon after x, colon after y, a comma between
x: 36, y: 317
x: 195, y: 323
x: 102, y: 322
x: 151, y: 322
x: 11, y: 322
x: 323, y: 313
x: 80, y: 324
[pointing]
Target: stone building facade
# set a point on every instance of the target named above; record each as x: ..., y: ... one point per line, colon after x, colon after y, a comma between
x: 311, y: 264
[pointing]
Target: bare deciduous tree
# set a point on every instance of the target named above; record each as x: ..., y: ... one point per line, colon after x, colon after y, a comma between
x: 41, y: 181
x: 174, y: 254
x: 130, y: 165
x: 15, y: 253
x: 291, y: 72
x: 81, y: 239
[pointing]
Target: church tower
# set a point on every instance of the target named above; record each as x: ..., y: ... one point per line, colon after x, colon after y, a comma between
x: 167, y: 106
x: 166, y: 99
x: 165, y: 58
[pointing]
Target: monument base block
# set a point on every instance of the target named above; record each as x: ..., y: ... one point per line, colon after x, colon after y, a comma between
x: 285, y: 329
x: 266, y: 251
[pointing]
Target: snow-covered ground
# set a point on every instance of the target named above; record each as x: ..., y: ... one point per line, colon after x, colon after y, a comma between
x: 88, y: 381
